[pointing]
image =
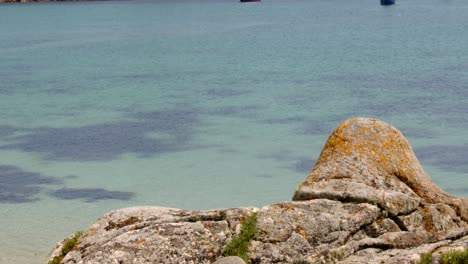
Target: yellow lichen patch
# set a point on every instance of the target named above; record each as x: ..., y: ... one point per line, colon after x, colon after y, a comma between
x: 427, y: 220
x: 299, y: 230
x: 129, y: 221
x: 376, y: 143
x: 290, y: 207
x: 210, y: 251
x: 139, y: 242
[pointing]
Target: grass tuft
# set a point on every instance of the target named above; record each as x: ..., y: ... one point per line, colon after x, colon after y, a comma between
x: 451, y: 257
x: 240, y: 243
x: 67, y: 247
x: 426, y: 258
x: 455, y: 257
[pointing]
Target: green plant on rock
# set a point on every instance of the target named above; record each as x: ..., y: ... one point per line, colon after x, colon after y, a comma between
x: 239, y: 244
x: 455, y: 257
x: 67, y: 247
x: 426, y: 258
x: 451, y: 257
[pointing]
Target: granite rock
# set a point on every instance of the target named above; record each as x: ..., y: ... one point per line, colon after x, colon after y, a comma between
x: 367, y: 200
x: 230, y: 260
x: 367, y: 160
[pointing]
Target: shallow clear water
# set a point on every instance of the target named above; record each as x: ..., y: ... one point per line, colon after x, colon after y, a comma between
x: 200, y: 104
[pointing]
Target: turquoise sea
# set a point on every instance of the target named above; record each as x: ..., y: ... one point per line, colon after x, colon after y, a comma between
x: 210, y: 103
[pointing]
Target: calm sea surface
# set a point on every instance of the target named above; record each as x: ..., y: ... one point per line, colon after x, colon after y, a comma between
x: 201, y: 104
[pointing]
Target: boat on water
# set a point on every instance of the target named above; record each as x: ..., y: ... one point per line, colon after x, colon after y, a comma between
x: 387, y: 2
x: 245, y: 1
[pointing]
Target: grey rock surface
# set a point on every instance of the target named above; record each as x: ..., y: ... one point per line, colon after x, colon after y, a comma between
x: 229, y: 260
x: 367, y: 200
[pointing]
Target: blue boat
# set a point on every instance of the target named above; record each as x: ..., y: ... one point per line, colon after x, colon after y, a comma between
x: 387, y: 2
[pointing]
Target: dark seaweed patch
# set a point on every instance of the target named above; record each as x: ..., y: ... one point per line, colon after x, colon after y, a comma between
x: 234, y: 111
x: 352, y: 77
x: 227, y: 111
x: 18, y: 186
x: 419, y: 96
x: 304, y: 165
x: 318, y: 128
x: 107, y: 141
x: 285, y: 120
x: 300, y: 165
x: 226, y: 92
x: 285, y: 155
x: 458, y: 68
x: 446, y: 157
x: 7, y: 131
x: 91, y: 194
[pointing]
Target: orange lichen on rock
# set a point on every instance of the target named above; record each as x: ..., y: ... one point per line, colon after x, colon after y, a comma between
x: 140, y: 241
x: 367, y: 160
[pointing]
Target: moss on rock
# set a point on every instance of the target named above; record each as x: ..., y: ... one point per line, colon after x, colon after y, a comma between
x: 239, y: 244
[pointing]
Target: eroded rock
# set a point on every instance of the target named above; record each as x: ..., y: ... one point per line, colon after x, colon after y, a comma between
x: 367, y: 200
x: 367, y: 160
